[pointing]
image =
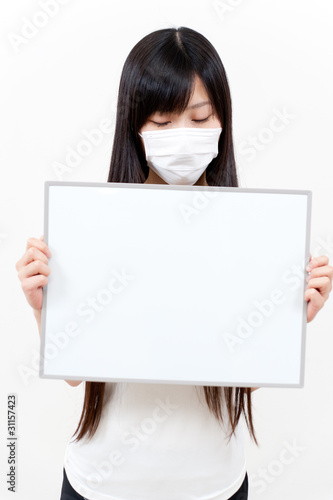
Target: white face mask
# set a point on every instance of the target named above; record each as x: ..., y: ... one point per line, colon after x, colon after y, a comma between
x: 181, y: 155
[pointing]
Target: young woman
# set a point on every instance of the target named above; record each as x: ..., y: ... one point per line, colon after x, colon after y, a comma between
x: 164, y: 441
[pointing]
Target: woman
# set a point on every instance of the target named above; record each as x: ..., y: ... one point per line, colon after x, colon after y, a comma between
x: 174, y: 125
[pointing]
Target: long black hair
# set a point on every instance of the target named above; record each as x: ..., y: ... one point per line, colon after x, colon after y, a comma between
x: 158, y: 75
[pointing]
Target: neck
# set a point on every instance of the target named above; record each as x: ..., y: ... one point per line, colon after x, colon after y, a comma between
x: 153, y: 178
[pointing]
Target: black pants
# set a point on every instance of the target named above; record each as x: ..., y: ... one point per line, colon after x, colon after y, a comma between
x: 68, y: 493
x: 242, y: 493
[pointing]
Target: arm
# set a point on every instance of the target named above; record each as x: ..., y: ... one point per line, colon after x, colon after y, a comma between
x: 38, y: 316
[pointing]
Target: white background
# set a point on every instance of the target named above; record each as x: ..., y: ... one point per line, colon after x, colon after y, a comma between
x: 63, y: 81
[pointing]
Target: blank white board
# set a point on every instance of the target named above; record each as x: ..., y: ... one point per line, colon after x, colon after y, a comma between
x: 193, y: 285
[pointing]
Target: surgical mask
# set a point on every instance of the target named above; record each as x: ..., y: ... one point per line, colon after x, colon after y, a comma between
x: 181, y: 155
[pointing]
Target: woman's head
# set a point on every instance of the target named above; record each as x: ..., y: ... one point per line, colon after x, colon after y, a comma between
x: 165, y: 72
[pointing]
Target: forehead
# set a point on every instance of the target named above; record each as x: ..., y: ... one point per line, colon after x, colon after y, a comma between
x: 199, y: 91
x: 198, y: 100
x: 199, y: 95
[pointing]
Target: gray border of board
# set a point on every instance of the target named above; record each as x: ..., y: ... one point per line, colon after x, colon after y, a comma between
x: 308, y: 193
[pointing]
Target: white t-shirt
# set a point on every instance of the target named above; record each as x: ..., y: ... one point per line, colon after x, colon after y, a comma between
x: 157, y: 442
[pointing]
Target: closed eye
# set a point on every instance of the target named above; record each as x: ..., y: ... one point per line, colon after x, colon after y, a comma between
x: 201, y: 121
x: 161, y: 124
x: 196, y: 121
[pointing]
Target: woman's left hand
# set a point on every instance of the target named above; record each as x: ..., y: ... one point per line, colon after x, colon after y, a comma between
x: 319, y: 284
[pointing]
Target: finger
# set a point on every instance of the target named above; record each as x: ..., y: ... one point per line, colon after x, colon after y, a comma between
x: 323, y: 285
x: 321, y: 271
x: 315, y: 302
x: 31, y: 284
x: 41, y: 245
x: 34, y: 254
x: 321, y: 260
x: 29, y: 256
x: 32, y: 269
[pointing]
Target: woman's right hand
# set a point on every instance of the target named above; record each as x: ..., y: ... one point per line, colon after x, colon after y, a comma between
x: 32, y: 270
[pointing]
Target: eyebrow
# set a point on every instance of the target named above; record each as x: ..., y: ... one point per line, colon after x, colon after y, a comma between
x: 199, y: 104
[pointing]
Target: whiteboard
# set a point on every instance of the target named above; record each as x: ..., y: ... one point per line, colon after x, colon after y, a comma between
x: 199, y: 285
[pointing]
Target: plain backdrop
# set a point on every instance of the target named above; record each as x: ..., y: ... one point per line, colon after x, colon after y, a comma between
x: 60, y: 76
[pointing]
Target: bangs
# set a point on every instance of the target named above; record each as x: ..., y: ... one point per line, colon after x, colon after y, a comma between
x: 166, y: 84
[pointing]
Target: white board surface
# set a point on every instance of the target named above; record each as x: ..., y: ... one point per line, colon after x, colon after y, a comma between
x: 175, y: 284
